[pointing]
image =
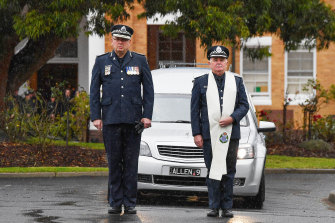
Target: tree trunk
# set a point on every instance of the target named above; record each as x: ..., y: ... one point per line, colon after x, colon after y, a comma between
x: 8, y: 44
x: 284, y: 123
x: 30, y: 59
x: 305, y: 124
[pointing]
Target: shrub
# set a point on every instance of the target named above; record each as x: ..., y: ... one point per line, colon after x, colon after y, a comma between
x: 45, y: 120
x: 317, y: 144
x: 324, y: 128
x: 292, y: 137
x: 11, y: 120
x: 80, y: 121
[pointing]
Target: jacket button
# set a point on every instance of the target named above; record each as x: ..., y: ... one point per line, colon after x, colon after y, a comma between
x: 121, y: 86
x: 122, y: 95
x: 121, y: 78
x: 121, y: 71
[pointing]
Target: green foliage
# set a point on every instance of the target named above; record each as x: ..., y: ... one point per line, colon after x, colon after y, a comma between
x: 316, y: 144
x: 324, y: 128
x: 80, y: 120
x: 79, y: 112
x: 292, y: 137
x: 231, y: 21
x: 11, y: 120
x: 318, y: 96
x: 257, y: 53
x: 25, y: 119
x: 34, y: 19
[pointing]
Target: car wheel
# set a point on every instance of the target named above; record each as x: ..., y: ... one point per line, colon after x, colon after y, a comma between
x: 257, y: 201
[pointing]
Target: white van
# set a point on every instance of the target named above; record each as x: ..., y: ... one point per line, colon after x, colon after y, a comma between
x: 170, y: 161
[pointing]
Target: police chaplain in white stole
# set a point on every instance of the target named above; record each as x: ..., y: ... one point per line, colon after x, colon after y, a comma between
x: 218, y: 104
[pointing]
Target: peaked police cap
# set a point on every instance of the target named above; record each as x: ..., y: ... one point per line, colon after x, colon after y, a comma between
x: 217, y: 51
x: 122, y: 31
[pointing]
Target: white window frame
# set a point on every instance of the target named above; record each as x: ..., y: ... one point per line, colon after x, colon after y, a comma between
x: 299, y: 98
x: 262, y: 98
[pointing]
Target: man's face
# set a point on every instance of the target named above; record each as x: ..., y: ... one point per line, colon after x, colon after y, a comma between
x: 218, y: 65
x: 120, y: 45
x: 67, y: 93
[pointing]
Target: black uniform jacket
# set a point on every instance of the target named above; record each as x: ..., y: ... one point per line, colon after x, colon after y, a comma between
x: 121, y: 100
x: 199, y: 112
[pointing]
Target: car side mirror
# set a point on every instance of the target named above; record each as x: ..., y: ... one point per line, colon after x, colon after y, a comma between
x: 265, y: 126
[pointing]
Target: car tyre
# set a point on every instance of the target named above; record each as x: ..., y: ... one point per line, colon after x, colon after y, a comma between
x: 257, y: 201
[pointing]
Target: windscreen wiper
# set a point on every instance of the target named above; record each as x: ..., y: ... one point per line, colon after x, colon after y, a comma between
x: 178, y: 121
x: 182, y: 121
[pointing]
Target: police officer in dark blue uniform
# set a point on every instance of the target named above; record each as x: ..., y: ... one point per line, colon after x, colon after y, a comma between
x: 122, y: 113
x: 220, y: 193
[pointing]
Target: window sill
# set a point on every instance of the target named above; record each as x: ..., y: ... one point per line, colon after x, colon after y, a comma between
x: 261, y: 101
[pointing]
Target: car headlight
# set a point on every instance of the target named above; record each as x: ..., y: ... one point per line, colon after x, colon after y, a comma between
x: 144, y: 149
x: 245, y: 152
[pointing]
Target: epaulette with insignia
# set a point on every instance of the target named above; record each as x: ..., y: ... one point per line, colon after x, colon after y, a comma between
x: 236, y: 75
x: 199, y: 77
x: 138, y: 53
x: 102, y: 54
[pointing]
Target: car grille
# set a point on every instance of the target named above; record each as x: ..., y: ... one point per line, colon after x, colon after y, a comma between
x: 189, y: 181
x: 180, y: 151
x: 185, y: 181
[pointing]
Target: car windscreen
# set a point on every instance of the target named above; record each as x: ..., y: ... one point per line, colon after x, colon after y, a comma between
x: 176, y: 108
x: 172, y: 108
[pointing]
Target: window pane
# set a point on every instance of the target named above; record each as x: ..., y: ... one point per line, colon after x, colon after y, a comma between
x: 299, y: 70
x: 256, y: 75
x: 177, y: 56
x: 164, y: 56
x: 256, y: 82
x: 171, y: 49
x: 293, y: 89
x: 257, y: 65
x: 302, y: 74
x: 177, y: 45
x: 164, y: 46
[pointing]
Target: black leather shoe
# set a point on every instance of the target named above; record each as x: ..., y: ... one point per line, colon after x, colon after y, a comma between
x: 227, y: 213
x: 130, y: 210
x: 213, y: 213
x: 115, y: 210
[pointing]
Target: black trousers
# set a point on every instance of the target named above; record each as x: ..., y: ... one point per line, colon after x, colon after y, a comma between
x: 220, y: 193
x: 122, y: 145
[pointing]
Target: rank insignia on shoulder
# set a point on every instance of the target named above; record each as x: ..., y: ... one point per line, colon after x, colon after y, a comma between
x: 108, y: 69
x: 133, y: 70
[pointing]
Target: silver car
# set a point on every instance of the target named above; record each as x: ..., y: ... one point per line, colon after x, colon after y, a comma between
x: 170, y: 161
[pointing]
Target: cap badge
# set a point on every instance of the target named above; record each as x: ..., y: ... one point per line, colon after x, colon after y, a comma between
x: 123, y: 29
x: 218, y: 49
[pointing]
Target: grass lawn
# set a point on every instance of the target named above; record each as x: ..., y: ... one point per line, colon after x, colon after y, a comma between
x: 88, y: 145
x: 50, y: 169
x: 276, y: 161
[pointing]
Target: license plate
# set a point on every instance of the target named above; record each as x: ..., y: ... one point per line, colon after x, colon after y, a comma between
x: 181, y: 171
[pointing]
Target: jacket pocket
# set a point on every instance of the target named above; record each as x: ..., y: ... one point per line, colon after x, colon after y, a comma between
x: 106, y: 101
